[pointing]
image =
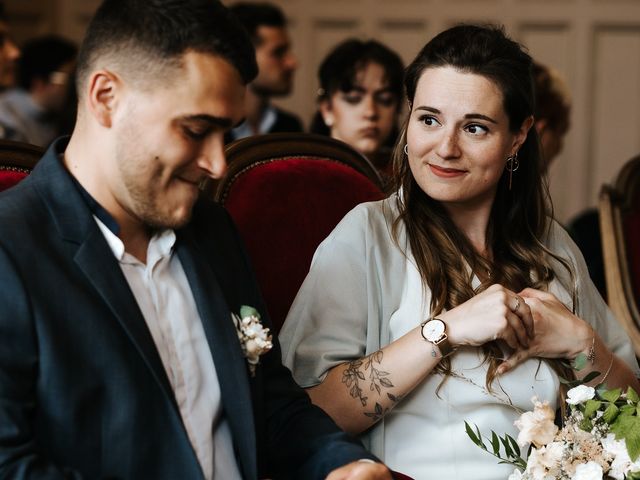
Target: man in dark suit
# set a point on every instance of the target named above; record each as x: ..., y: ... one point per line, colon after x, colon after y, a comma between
x: 267, y: 28
x: 119, y: 357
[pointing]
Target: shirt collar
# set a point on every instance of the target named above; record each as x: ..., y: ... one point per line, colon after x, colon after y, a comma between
x: 269, y: 117
x: 160, y: 245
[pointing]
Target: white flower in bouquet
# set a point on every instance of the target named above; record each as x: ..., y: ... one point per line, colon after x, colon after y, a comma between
x: 537, y: 427
x: 588, y: 471
x: 580, y: 394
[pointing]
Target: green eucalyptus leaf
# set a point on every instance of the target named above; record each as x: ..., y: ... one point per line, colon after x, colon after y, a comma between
x: 514, y: 445
x: 507, y: 448
x: 611, y: 395
x: 632, y: 395
x: 580, y: 362
x: 590, y: 408
x: 495, y: 443
x: 610, y: 413
x: 247, y: 311
x: 475, y: 438
x: 590, y: 376
x: 586, y: 425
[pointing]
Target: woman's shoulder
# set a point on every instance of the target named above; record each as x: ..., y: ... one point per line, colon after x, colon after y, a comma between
x: 369, y: 219
x: 558, y: 241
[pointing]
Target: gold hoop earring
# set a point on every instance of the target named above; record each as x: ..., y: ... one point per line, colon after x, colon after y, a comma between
x: 512, y: 165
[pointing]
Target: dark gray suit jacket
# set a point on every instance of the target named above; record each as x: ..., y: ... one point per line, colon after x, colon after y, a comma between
x: 83, y: 393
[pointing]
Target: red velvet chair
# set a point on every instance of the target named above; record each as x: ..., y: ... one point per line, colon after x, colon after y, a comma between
x: 619, y: 210
x: 17, y: 159
x: 286, y: 192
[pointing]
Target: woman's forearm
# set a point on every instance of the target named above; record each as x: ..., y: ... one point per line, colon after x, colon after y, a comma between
x: 359, y: 393
x: 614, y: 372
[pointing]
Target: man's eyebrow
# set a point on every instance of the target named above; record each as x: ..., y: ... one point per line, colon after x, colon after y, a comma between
x: 468, y: 116
x: 222, y: 122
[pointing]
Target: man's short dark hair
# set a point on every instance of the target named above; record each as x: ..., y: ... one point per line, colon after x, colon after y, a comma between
x: 146, y: 36
x: 255, y: 15
x: 42, y: 56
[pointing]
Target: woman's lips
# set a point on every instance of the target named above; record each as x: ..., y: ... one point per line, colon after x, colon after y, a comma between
x: 446, y: 172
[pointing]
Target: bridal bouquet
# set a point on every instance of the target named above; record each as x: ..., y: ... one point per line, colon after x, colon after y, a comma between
x: 600, y: 438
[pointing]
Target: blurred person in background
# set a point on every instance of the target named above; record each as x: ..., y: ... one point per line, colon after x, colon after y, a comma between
x: 267, y: 28
x: 553, y: 110
x: 552, y: 122
x: 31, y: 112
x: 9, y: 53
x: 359, y: 99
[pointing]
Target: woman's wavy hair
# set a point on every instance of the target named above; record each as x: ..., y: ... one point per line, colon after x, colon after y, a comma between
x: 520, y: 215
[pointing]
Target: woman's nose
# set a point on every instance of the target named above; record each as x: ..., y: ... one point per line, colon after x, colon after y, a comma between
x: 448, y: 146
x: 370, y: 108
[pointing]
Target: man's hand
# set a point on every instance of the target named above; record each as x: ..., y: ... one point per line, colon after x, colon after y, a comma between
x: 361, y: 471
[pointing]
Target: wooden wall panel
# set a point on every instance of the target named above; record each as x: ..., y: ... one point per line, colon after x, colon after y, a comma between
x: 616, y: 101
x: 553, y: 45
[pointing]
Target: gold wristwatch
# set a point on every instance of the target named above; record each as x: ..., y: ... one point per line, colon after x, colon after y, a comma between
x: 434, y: 330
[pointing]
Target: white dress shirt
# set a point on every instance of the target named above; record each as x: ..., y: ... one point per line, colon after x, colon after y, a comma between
x: 163, y: 294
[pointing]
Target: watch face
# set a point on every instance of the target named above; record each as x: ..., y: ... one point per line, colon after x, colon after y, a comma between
x: 433, y: 330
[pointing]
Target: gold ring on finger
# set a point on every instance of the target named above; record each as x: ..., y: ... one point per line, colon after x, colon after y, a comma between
x: 517, y: 306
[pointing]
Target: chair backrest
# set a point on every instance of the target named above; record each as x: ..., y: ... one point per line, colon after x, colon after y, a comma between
x: 619, y: 210
x: 17, y: 159
x: 286, y: 192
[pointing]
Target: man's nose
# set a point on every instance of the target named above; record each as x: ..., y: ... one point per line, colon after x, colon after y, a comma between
x: 212, y: 158
x: 291, y: 61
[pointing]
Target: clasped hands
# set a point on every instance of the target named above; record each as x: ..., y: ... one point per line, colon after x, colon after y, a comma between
x: 531, y: 323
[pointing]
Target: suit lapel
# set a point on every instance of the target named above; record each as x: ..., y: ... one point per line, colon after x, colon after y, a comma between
x: 97, y: 262
x: 75, y: 224
x: 225, y: 349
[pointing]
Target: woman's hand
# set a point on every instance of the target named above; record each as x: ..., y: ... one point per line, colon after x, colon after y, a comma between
x: 558, y: 332
x: 495, y: 314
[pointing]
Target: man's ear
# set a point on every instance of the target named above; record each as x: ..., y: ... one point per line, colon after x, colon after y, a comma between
x: 326, y: 112
x: 103, y: 90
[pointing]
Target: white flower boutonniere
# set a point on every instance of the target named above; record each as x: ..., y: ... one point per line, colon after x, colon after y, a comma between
x: 254, y: 338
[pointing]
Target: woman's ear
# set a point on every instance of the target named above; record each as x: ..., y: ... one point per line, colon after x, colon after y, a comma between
x: 103, y: 89
x: 327, y: 113
x: 521, y: 134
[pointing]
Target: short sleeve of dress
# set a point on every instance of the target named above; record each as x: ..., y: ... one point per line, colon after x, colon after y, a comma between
x: 327, y: 322
x: 590, y: 305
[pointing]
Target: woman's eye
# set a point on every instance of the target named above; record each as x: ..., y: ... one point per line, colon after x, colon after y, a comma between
x: 386, y: 99
x: 476, y: 129
x: 352, y: 99
x: 429, y: 121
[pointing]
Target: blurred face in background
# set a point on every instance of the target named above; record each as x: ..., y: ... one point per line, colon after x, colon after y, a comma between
x: 9, y: 54
x: 276, y: 62
x: 364, y: 116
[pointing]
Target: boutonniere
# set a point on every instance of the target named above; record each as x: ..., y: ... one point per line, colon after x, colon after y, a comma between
x: 254, y: 338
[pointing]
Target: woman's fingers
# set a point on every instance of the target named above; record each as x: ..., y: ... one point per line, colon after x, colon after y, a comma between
x: 518, y: 327
x: 522, y: 310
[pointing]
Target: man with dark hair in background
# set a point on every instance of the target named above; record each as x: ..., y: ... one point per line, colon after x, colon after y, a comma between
x: 31, y: 111
x: 120, y: 355
x: 267, y: 27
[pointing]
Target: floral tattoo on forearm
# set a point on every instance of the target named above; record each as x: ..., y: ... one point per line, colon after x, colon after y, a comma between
x: 359, y: 372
